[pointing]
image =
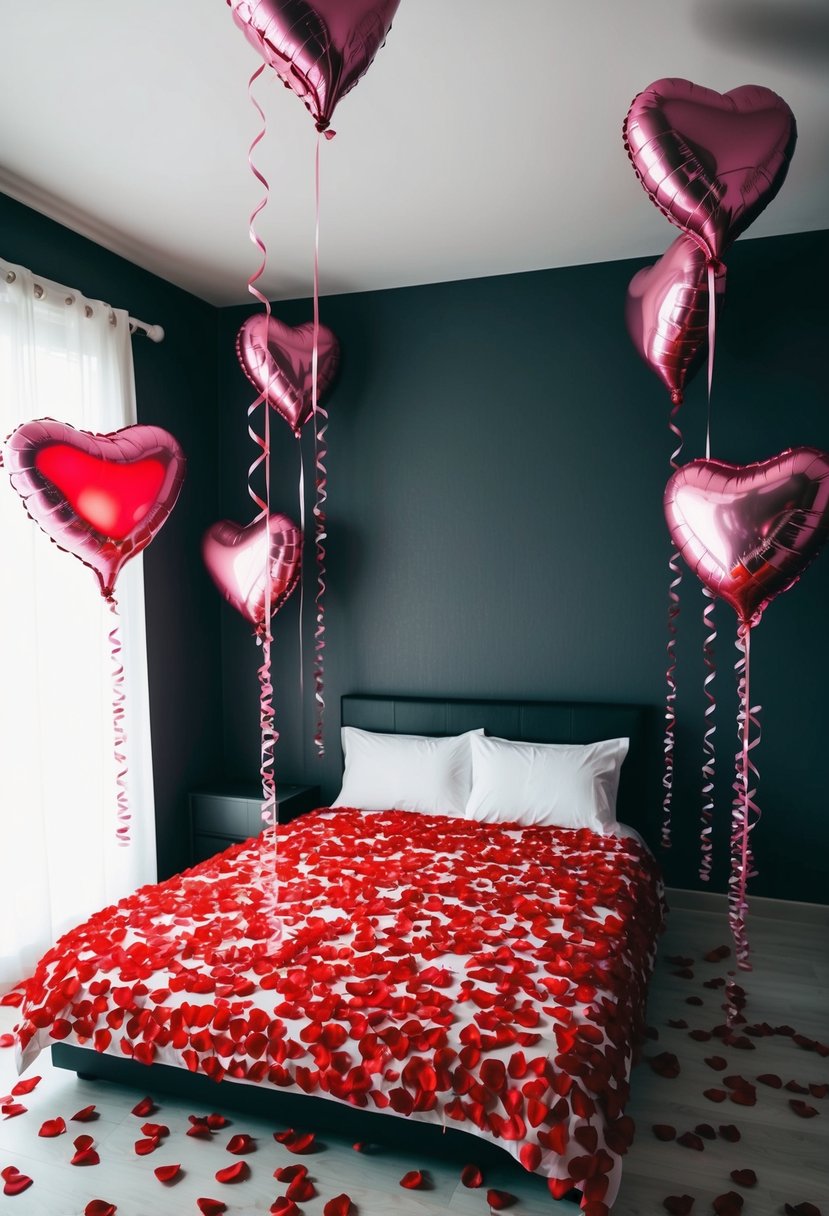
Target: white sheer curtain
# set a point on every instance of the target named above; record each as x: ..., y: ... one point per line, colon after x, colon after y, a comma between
x: 69, y: 358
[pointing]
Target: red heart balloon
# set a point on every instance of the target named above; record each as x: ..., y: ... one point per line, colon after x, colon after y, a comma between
x: 749, y: 531
x: 667, y: 312
x: 277, y: 361
x: 235, y: 558
x: 102, y: 498
x: 319, y: 48
x: 711, y: 162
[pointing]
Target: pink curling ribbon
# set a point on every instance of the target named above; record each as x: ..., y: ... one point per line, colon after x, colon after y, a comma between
x: 320, y: 455
x: 122, y: 831
x: 268, y: 734
x: 745, y: 812
x: 673, y: 613
x: 709, y: 751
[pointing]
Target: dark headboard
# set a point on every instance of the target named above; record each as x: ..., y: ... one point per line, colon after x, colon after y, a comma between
x: 533, y: 722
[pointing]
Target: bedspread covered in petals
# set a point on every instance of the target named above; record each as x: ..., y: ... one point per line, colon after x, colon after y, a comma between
x: 486, y: 976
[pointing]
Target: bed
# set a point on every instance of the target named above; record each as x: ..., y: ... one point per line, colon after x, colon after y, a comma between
x: 481, y: 978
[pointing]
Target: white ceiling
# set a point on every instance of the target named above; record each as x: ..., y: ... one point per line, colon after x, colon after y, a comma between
x: 484, y: 139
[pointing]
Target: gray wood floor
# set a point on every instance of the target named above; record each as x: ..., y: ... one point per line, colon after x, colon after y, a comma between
x: 790, y: 1155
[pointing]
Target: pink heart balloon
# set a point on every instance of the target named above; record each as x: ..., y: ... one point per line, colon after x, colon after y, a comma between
x: 236, y: 561
x: 749, y: 531
x: 278, y: 362
x: 319, y: 48
x: 667, y: 312
x: 101, y: 498
x: 710, y: 161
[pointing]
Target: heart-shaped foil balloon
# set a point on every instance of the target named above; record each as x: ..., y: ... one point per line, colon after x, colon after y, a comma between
x: 236, y: 559
x: 319, y: 48
x: 667, y: 312
x: 102, y: 498
x: 277, y: 359
x: 749, y: 531
x: 711, y: 162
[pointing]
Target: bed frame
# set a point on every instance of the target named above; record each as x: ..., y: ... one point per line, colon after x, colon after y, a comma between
x: 531, y: 721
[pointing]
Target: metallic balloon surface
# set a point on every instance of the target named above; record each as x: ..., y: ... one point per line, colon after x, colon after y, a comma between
x: 236, y: 561
x: 319, y: 48
x: 667, y: 312
x: 749, y: 531
x: 102, y: 498
x: 710, y: 161
x: 277, y: 359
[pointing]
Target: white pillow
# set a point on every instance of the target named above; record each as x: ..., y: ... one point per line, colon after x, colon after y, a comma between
x: 566, y: 785
x: 406, y: 772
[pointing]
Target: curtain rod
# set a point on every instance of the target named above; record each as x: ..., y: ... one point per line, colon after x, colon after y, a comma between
x: 154, y: 332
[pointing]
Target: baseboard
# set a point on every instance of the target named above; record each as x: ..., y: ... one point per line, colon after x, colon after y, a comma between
x: 760, y: 907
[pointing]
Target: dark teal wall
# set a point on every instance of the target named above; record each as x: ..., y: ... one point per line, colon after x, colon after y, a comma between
x: 497, y: 461
x: 176, y: 388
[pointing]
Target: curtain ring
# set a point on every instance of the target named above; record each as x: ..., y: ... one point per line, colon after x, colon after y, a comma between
x: 11, y: 276
x: 38, y: 291
x: 88, y: 312
x: 69, y: 300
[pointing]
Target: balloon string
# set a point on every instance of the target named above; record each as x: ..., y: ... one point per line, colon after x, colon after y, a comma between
x: 302, y: 580
x: 673, y: 612
x: 320, y: 455
x: 712, y: 333
x: 745, y: 812
x: 709, y: 751
x: 122, y: 831
x: 268, y: 735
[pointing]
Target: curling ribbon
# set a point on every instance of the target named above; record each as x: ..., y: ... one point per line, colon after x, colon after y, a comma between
x: 709, y: 751
x: 673, y: 612
x: 320, y: 455
x: 268, y: 733
x: 122, y: 831
x: 745, y: 812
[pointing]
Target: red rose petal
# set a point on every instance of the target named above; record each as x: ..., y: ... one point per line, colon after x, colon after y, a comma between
x: 217, y: 1122
x: 85, y: 1156
x: 283, y: 1206
x: 690, y: 1140
x: 211, y: 1207
x: 794, y: 1087
x: 304, y: 1143
x: 7, y: 1040
x: 801, y: 1209
x: 301, y: 1190
x: 159, y: 1130
x: 340, y: 1205
x: 86, y: 1115
x: 693, y: 1000
x: 498, y: 1200
x: 678, y: 1024
x: 52, y: 1127
x: 802, y: 1109
x: 146, y: 1146
x: 665, y: 1064
x: 472, y: 1176
x: 287, y: 1173
x: 99, y: 1207
x: 771, y: 1079
x: 412, y: 1181
x: 14, y: 1183
x: 819, y: 1091
x: 744, y: 1177
x: 241, y: 1143
x: 715, y: 1095
x: 143, y: 1108
x: 717, y: 954
x: 167, y: 1173
x: 664, y: 1131
x: 678, y: 1205
x: 729, y: 1204
x: 729, y: 1132
x: 706, y: 1131
x: 11, y: 1110
x: 237, y: 1172
x: 26, y: 1087
x: 718, y: 1063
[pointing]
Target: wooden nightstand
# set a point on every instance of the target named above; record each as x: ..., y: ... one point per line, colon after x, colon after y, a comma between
x: 221, y: 817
